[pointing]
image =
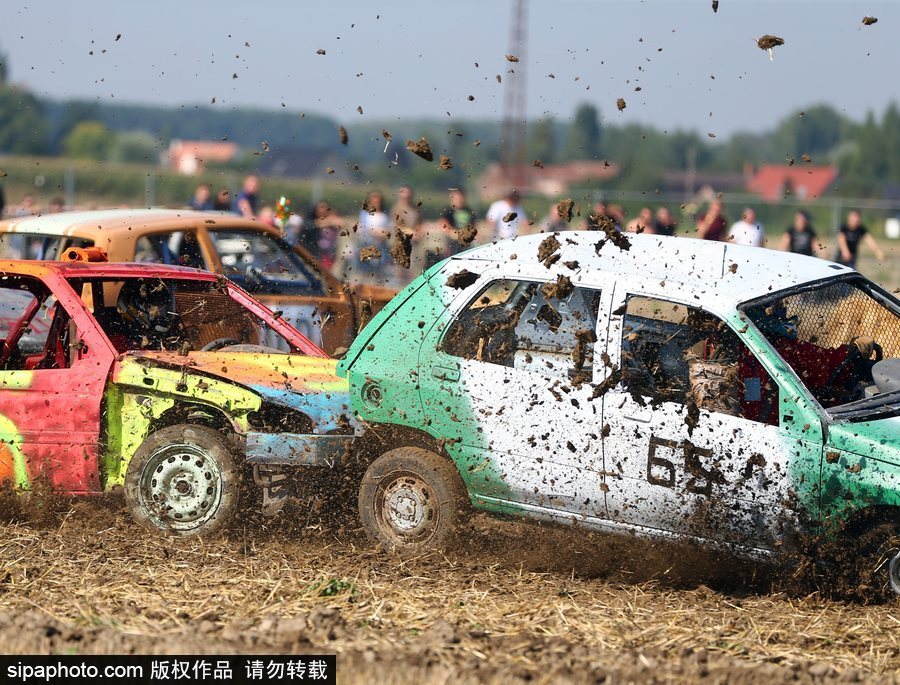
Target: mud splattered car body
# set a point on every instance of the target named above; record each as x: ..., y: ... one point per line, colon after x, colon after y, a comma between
x: 673, y: 388
x: 108, y: 378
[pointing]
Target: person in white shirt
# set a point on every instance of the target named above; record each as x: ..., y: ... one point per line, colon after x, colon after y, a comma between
x: 506, y: 216
x: 747, y: 231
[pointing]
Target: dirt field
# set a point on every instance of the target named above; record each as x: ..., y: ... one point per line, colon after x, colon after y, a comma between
x: 520, y: 604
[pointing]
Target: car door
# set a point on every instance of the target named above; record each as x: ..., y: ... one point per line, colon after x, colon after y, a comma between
x: 693, y: 441
x: 499, y: 378
x: 51, y: 389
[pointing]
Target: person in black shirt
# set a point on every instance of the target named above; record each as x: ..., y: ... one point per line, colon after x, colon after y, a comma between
x: 850, y: 235
x: 665, y: 223
x: 801, y: 238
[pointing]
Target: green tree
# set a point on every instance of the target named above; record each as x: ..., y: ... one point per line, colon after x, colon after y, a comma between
x: 72, y: 113
x: 89, y: 140
x: 583, y: 139
x: 135, y: 146
x: 23, y: 127
x: 816, y: 132
x: 542, y: 140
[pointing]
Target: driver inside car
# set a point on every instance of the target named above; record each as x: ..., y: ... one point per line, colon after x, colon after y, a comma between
x: 834, y: 375
x: 149, y: 318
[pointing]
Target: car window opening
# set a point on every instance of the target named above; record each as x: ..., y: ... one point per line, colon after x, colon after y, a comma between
x: 675, y: 353
x: 522, y: 325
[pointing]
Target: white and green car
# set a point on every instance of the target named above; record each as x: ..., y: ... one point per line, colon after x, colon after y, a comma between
x: 661, y: 386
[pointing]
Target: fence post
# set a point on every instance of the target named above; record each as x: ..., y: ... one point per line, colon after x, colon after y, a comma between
x: 69, y: 187
x: 150, y: 190
x: 835, y: 215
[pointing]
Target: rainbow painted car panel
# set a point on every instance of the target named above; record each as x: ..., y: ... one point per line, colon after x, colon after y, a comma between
x: 73, y: 415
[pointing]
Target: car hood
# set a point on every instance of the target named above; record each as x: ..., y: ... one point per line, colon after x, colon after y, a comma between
x: 306, y: 384
x: 876, y: 439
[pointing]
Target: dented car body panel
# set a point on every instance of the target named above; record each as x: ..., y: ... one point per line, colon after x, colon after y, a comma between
x: 74, y: 415
x: 639, y: 387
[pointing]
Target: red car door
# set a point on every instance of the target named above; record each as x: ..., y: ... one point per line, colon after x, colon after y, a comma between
x: 51, y: 387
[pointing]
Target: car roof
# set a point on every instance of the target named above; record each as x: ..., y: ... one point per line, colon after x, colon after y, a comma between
x: 721, y: 274
x: 101, y: 270
x: 91, y: 223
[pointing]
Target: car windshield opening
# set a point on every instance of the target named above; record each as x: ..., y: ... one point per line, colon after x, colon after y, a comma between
x: 842, y: 338
x: 175, y: 315
x: 262, y: 263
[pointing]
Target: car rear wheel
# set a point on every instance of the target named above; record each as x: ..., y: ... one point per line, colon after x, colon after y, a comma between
x: 411, y: 499
x: 183, y: 480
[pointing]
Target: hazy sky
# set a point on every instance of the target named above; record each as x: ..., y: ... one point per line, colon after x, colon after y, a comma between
x: 695, y: 69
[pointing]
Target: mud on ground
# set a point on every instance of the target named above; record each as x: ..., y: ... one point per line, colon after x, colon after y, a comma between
x: 518, y: 603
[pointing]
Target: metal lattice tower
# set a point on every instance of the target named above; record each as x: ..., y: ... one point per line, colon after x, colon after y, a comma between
x: 514, y: 103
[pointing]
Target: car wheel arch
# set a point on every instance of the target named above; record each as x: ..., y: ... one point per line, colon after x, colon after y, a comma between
x: 194, y: 413
x: 383, y: 437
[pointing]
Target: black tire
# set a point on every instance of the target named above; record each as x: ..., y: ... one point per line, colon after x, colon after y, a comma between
x: 411, y: 500
x: 165, y: 476
x: 877, y: 561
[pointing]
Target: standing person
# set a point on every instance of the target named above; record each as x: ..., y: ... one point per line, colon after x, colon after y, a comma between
x: 222, y: 202
x: 801, y: 238
x: 202, y: 200
x: 665, y: 223
x: 26, y: 208
x: 642, y: 223
x: 405, y: 213
x: 506, y: 216
x: 850, y: 235
x: 407, y: 220
x: 247, y: 201
x: 370, y: 255
x: 712, y: 225
x: 553, y: 222
x: 748, y: 231
x: 2, y: 202
x: 457, y: 223
x: 321, y: 232
x: 602, y: 217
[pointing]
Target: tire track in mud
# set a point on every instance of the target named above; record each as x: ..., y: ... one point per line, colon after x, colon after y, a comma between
x: 520, y: 603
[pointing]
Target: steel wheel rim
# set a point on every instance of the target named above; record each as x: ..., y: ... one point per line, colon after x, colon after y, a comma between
x: 894, y: 573
x: 181, y: 487
x: 406, y: 507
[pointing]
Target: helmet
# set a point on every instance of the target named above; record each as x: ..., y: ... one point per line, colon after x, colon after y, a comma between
x: 149, y: 304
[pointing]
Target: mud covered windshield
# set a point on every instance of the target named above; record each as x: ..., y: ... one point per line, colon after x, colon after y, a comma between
x: 842, y: 338
x: 174, y: 315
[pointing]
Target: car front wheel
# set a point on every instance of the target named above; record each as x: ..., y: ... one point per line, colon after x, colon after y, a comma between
x: 411, y: 499
x: 878, y: 563
x: 183, y: 480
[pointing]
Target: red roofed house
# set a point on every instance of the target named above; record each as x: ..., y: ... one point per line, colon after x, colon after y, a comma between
x: 188, y: 156
x: 773, y: 181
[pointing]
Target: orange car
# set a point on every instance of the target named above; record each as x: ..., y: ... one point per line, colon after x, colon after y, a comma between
x: 253, y: 255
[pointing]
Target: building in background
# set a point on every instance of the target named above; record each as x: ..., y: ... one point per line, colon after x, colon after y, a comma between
x: 190, y: 157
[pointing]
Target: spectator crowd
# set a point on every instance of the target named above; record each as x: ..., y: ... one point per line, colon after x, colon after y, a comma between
x: 389, y: 241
